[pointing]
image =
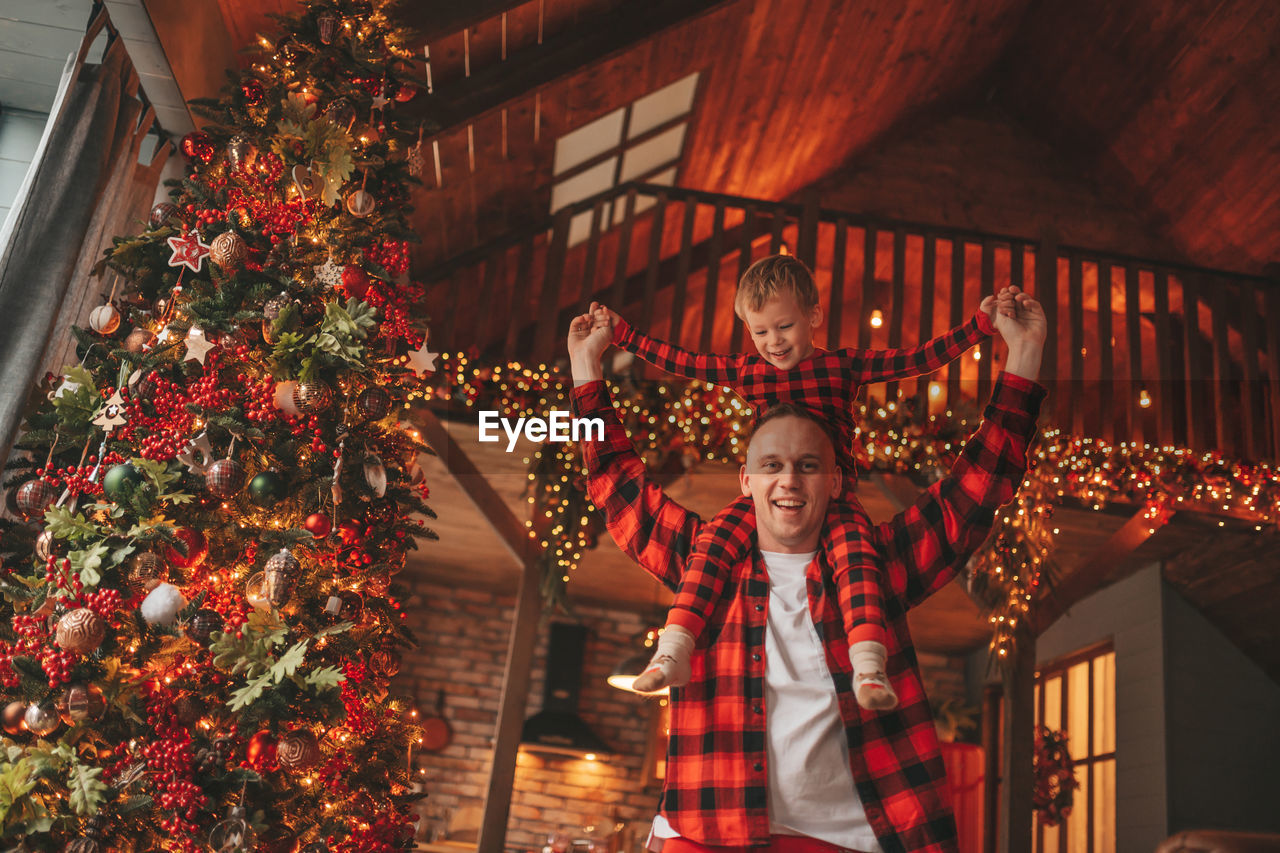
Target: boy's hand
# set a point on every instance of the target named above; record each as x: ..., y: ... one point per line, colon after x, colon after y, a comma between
x: 601, y: 313
x: 1024, y: 332
x: 1001, y: 303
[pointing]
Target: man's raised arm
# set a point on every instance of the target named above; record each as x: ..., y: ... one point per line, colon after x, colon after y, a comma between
x: 652, y: 529
x: 926, y: 544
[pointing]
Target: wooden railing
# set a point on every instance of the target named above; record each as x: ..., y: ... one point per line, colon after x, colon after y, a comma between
x: 1161, y: 353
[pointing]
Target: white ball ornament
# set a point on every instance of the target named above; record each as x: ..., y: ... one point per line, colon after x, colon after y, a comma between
x: 104, y: 319
x: 163, y: 604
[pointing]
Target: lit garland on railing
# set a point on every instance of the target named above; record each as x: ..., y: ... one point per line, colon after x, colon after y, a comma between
x: 681, y: 422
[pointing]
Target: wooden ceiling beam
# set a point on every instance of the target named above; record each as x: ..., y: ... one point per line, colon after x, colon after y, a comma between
x: 440, y: 18
x: 1092, y: 572
x: 468, y: 100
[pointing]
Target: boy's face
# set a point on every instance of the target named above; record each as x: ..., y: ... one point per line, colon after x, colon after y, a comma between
x: 782, y: 331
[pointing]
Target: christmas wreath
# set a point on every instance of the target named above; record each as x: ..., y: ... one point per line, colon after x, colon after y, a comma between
x: 1055, y: 777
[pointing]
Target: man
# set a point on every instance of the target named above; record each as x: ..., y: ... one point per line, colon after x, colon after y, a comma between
x: 768, y: 745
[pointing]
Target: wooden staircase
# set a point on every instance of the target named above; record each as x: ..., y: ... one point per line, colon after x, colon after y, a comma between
x: 1139, y: 350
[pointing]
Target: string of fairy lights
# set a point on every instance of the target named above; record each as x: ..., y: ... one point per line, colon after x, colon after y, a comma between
x: 703, y: 422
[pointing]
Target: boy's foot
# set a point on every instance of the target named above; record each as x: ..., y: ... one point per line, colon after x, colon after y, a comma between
x: 870, y: 685
x: 873, y: 692
x: 670, y: 664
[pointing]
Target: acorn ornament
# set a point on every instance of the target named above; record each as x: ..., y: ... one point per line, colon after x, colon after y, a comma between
x: 225, y: 478
x: 298, y: 750
x: 81, y: 702
x: 267, y: 488
x: 281, y: 574
x: 80, y: 631
x: 228, y: 250
x: 239, y: 151
x: 34, y: 497
x: 104, y: 319
x: 312, y: 398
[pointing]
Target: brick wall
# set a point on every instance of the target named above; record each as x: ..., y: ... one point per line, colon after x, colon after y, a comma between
x: 464, y: 634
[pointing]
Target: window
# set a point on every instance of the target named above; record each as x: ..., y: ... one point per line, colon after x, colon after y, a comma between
x: 1077, y: 694
x: 643, y: 141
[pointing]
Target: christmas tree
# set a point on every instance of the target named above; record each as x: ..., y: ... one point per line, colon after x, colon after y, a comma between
x: 199, y: 624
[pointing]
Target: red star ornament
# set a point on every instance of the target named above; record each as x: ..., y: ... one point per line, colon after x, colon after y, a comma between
x: 188, y: 251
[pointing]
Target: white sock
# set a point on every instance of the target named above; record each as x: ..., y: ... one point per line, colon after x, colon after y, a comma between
x: 670, y: 664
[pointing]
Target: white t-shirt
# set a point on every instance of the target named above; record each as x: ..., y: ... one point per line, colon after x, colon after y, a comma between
x: 810, y: 786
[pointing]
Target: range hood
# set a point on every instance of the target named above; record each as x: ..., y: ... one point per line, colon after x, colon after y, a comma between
x: 557, y: 727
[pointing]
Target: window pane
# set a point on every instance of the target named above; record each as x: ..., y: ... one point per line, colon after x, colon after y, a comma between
x: 643, y: 203
x: 1078, y: 710
x: 1104, y: 807
x: 594, y: 180
x: 1077, y: 823
x: 1052, y: 837
x: 663, y: 105
x: 663, y: 148
x: 1053, y: 702
x: 1104, y: 704
x: 588, y: 141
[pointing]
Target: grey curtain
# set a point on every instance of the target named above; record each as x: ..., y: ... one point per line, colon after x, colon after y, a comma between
x: 84, y: 186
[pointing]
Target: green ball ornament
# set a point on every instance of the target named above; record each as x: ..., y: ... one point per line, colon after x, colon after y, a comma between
x: 267, y: 489
x: 118, y: 480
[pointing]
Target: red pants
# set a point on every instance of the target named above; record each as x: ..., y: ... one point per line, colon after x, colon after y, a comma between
x: 777, y: 844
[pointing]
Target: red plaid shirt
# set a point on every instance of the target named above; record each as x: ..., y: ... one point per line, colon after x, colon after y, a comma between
x: 715, y: 789
x: 826, y: 382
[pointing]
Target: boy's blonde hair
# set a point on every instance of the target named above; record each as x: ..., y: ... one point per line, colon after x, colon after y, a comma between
x: 771, y: 276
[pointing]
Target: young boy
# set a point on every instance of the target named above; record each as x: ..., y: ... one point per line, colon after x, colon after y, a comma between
x: 778, y: 302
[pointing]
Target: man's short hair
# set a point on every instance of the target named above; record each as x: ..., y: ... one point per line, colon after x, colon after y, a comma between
x: 771, y: 276
x: 792, y: 410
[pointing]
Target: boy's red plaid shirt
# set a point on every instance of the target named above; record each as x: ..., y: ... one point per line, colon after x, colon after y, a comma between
x: 715, y: 786
x: 826, y: 383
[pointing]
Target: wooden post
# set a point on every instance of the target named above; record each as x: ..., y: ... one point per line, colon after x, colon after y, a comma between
x: 549, y: 297
x: 515, y: 695
x: 807, y: 238
x: 1047, y: 294
x: 991, y: 767
x: 1017, y: 778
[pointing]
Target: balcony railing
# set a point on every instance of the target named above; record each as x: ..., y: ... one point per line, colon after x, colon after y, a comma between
x: 1139, y: 350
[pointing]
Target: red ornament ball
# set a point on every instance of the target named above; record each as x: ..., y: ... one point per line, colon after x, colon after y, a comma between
x: 355, y: 281
x: 406, y: 92
x: 318, y: 524
x: 197, y: 146
x: 251, y: 90
x: 262, y: 748
x: 197, y: 549
x: 351, y: 533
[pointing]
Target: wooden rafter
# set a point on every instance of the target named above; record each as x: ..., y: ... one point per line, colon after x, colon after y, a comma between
x: 1087, y: 577
x: 439, y: 18
x: 467, y: 100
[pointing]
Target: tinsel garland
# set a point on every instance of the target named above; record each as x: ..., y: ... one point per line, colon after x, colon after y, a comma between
x: 680, y: 422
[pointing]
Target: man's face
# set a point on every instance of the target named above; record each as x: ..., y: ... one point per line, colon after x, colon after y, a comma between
x: 790, y: 476
x: 782, y: 331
